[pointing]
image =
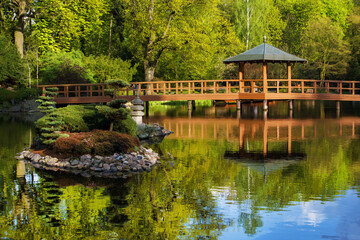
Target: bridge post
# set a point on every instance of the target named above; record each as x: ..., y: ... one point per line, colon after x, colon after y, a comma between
x: 238, y: 104
x: 291, y: 104
x: 338, y: 109
x: 265, y: 105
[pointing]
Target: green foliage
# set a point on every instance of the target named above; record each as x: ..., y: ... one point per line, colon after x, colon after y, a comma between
x: 12, y: 68
x: 18, y: 94
x: 127, y: 125
x: 77, y: 118
x: 70, y: 25
x: 113, y: 114
x: 325, y: 48
x: 254, y: 19
x: 52, y: 121
x: 64, y: 67
x: 106, y: 68
x: 97, y: 142
x: 117, y: 83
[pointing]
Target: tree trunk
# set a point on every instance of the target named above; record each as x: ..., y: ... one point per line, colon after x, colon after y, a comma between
x: 19, y: 30
x: 111, y: 126
x: 149, y: 68
x: 111, y: 22
x: 247, y: 24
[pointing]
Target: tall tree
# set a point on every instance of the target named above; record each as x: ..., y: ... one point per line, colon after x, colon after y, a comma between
x: 71, y: 25
x: 253, y: 19
x: 16, y: 13
x: 154, y: 27
x: 324, y: 46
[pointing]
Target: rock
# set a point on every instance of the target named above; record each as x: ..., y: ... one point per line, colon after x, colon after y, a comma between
x: 75, y: 162
x: 106, y: 167
x: 99, y: 158
x: 85, y: 157
x: 36, y: 158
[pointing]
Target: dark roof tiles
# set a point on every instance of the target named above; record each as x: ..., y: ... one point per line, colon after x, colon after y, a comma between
x: 264, y: 53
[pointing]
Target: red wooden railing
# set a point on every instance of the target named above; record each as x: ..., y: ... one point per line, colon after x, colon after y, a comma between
x: 214, y: 90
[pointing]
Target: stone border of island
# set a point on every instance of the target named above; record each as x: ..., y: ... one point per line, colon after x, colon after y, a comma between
x: 115, y: 166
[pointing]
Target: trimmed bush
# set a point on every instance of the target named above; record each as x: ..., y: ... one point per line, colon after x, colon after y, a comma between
x: 78, y: 118
x: 84, y: 118
x: 97, y: 142
x: 127, y: 126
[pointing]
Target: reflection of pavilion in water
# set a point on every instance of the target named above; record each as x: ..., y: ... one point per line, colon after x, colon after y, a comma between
x: 268, y: 131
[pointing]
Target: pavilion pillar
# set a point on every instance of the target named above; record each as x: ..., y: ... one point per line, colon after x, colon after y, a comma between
x: 265, y: 77
x: 241, y: 77
x: 289, y: 76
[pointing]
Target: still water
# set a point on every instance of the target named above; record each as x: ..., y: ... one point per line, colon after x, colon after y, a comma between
x: 231, y: 177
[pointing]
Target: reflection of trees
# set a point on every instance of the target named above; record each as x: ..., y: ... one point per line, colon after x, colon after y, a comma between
x: 327, y: 171
x: 173, y: 200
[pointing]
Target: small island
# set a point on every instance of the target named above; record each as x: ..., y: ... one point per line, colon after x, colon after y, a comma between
x: 92, y: 140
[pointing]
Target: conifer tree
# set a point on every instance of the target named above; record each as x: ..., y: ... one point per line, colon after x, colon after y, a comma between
x: 49, y: 132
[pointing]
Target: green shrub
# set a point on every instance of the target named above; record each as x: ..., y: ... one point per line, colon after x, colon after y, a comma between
x: 78, y: 118
x: 97, y: 142
x: 64, y: 67
x: 105, y: 68
x: 12, y: 67
x: 84, y: 118
x: 18, y: 94
x: 127, y: 126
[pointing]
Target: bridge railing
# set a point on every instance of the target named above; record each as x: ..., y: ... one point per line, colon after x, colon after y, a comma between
x: 78, y: 90
x: 211, y: 87
x: 302, y: 86
x: 183, y: 87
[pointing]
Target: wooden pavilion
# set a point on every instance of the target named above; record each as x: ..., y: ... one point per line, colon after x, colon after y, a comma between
x: 264, y: 53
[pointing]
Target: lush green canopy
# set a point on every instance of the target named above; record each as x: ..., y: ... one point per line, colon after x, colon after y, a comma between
x: 174, y: 40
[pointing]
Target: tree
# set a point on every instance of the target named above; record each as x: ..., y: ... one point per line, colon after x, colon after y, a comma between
x: 64, y: 67
x: 255, y: 18
x: 15, y: 14
x: 12, y: 69
x: 155, y: 27
x: 52, y: 126
x: 71, y: 25
x: 324, y: 46
x: 353, y: 36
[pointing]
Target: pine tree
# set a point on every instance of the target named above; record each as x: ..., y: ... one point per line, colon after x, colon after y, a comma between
x: 49, y: 132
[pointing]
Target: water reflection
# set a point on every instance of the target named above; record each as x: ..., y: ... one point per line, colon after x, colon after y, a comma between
x: 230, y: 178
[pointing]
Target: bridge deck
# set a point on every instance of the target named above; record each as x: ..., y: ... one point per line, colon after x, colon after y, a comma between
x: 276, y: 89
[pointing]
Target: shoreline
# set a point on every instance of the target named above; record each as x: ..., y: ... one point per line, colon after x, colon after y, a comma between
x: 114, y: 166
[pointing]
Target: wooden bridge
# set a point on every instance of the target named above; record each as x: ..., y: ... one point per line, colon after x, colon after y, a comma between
x: 235, y: 89
x: 247, y: 89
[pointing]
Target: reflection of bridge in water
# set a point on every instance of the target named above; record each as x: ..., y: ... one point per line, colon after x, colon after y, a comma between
x: 271, y: 130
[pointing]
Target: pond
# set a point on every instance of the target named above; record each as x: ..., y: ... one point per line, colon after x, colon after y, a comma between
x: 224, y: 176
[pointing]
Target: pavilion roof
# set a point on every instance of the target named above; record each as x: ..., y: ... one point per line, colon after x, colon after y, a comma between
x: 264, y: 53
